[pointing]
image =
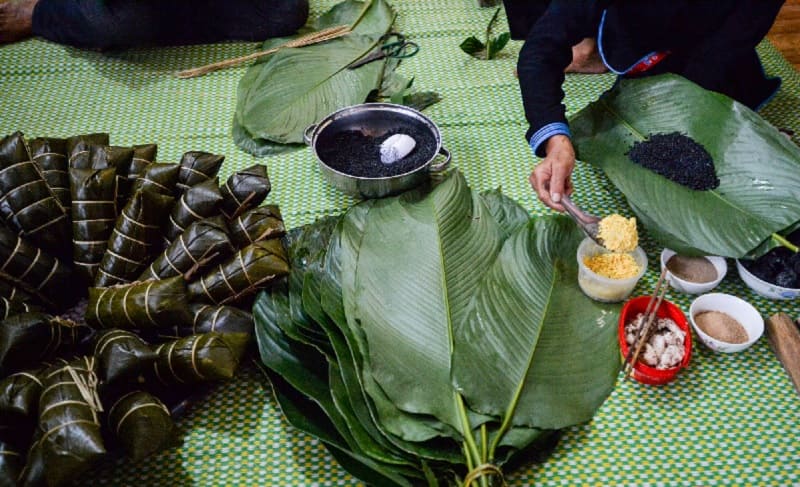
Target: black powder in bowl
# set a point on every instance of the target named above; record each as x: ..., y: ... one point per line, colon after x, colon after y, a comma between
x: 357, y: 152
x: 678, y: 158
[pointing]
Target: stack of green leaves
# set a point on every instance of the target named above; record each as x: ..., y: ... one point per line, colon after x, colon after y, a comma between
x: 433, y: 337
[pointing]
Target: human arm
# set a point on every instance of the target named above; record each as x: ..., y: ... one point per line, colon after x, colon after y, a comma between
x: 545, y: 54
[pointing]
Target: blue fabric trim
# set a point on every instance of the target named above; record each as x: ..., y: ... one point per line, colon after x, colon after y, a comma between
x: 603, y: 54
x: 544, y: 133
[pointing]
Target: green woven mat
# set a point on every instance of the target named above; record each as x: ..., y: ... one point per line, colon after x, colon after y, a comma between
x: 727, y: 420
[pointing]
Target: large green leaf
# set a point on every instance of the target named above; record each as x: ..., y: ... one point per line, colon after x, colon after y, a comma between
x: 415, y: 271
x: 758, y: 168
x: 533, y: 338
x: 295, y: 88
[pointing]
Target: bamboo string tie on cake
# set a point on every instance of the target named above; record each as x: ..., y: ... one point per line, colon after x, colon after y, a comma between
x: 306, y: 40
x: 649, y: 318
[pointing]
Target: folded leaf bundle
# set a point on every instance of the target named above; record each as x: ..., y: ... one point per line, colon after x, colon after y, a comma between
x: 28, y: 338
x: 19, y: 395
x: 257, y: 224
x: 105, y: 156
x: 51, y: 156
x: 12, y: 462
x: 150, y: 304
x: 8, y: 289
x: 252, y: 268
x: 10, y: 307
x: 69, y: 406
x: 143, y: 156
x: 28, y: 203
x: 135, y: 238
x: 196, y: 358
x: 94, y: 214
x: 160, y: 177
x: 141, y: 423
x: 220, y: 319
x: 121, y: 355
x: 245, y: 189
x: 79, y: 146
x: 196, y: 167
x: 200, y: 201
x: 34, y: 271
x: 193, y: 251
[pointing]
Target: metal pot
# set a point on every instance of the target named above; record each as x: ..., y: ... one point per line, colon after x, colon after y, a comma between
x: 375, y: 119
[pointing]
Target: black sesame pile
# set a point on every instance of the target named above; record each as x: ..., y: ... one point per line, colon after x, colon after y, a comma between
x: 678, y: 158
x: 354, y: 153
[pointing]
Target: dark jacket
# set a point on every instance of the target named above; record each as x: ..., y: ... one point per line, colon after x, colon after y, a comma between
x: 710, y: 42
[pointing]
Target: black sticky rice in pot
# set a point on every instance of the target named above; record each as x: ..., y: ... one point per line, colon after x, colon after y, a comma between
x: 357, y: 154
x: 678, y: 158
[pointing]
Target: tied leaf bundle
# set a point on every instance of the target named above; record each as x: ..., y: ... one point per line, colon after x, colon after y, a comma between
x: 141, y: 423
x: 196, y: 167
x: 28, y: 338
x: 149, y: 304
x: 50, y: 154
x: 105, y: 156
x: 27, y: 202
x: 249, y: 270
x: 13, y: 306
x: 134, y: 238
x: 244, y: 190
x: 220, y: 319
x: 68, y: 415
x: 94, y: 213
x: 34, y: 271
x: 198, y: 202
x: 258, y: 224
x: 143, y: 156
x: 19, y: 395
x: 79, y: 148
x: 434, y: 353
x: 160, y: 177
x: 193, y: 251
x: 11, y: 461
x: 197, y: 358
x: 121, y: 355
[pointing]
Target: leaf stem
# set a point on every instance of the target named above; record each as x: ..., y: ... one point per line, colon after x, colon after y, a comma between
x: 506, y: 420
x: 470, y: 445
x: 782, y: 241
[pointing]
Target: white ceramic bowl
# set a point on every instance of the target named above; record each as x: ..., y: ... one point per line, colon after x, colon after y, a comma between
x: 690, y: 287
x: 764, y: 288
x: 602, y: 288
x: 736, y: 308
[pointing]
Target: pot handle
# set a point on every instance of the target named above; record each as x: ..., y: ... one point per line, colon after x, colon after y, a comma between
x: 307, y: 133
x: 442, y: 165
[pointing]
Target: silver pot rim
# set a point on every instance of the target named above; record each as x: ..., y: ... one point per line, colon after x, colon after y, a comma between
x: 312, y: 132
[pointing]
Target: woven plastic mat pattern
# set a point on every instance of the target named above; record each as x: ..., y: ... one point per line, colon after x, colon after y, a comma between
x: 727, y: 420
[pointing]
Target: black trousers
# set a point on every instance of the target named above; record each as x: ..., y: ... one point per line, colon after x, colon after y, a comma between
x: 116, y: 24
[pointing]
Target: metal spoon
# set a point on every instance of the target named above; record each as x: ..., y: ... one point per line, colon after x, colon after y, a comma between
x: 588, y: 223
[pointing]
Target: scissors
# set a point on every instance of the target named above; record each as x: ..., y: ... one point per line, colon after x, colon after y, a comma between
x: 401, y: 48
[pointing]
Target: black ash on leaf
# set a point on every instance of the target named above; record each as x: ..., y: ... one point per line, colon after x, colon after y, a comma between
x: 678, y: 158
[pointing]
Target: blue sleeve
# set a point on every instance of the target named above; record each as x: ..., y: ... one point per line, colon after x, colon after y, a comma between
x: 546, y: 52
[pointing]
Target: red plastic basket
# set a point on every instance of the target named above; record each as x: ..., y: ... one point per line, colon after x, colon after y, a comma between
x: 644, y: 373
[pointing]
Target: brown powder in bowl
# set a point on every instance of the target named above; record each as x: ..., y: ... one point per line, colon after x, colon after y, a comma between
x: 721, y: 326
x: 692, y: 269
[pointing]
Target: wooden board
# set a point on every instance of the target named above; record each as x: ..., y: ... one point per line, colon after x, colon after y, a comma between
x: 784, y: 338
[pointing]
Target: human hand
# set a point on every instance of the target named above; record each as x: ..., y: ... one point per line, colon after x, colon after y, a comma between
x: 551, y: 177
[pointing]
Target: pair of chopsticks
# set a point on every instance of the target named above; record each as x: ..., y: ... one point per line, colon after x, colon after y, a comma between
x: 649, y: 318
x: 306, y: 40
